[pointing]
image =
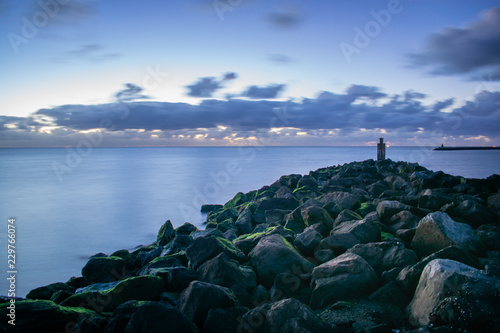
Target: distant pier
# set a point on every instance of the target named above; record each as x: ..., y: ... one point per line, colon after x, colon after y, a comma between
x: 466, y: 148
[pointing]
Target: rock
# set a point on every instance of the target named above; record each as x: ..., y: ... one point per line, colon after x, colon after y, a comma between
x: 346, y: 215
x: 314, y: 214
x: 151, y: 317
x: 225, y: 272
x: 224, y: 320
x: 409, y: 276
x: 176, y: 278
x: 490, y: 236
x: 403, y: 220
x: 185, y: 229
x: 260, y: 294
x: 324, y: 255
x: 432, y: 199
x: 259, y: 216
x: 345, y: 277
x: 445, y: 286
x: 104, y: 269
x: 335, y: 202
x: 390, y: 293
x: 143, y: 257
x: 147, y: 288
x: 97, y: 287
x: 473, y: 213
x: 180, y: 243
x: 44, y: 316
x: 287, y: 285
x: 165, y: 234
x: 386, y: 209
x: 46, y: 292
x: 206, y: 248
x: 384, y: 256
x: 244, y: 222
x: 307, y: 241
x: 247, y: 242
x: 406, y: 235
x: 294, y: 221
x: 351, y: 233
x: 288, y: 315
x: 307, y: 181
x: 273, y: 255
x: 208, y: 208
x: 199, y: 297
x: 125, y: 255
x: 159, y: 262
x: 494, y: 201
x: 437, y: 231
x: 284, y: 192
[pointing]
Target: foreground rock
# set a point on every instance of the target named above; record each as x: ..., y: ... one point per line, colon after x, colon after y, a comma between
x: 362, y: 247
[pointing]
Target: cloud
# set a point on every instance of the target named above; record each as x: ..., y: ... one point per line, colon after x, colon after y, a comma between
x: 285, y: 19
x: 130, y: 93
x: 279, y: 59
x: 89, y: 52
x: 473, y: 50
x: 350, y: 117
x: 269, y: 92
x: 206, y: 86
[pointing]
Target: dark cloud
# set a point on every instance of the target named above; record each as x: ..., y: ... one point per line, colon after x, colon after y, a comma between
x: 473, y: 50
x: 285, y: 19
x: 88, y: 52
x: 269, y: 92
x: 130, y: 93
x: 205, y: 87
x: 359, y: 112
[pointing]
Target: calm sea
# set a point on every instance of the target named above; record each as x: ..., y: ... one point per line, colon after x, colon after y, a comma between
x: 71, y: 204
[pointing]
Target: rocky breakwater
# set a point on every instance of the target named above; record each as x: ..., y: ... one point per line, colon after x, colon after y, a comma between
x: 361, y: 247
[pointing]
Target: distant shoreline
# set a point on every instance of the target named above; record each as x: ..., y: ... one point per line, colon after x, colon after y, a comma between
x: 466, y: 148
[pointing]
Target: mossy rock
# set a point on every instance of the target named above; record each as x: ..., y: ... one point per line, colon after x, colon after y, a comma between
x: 237, y: 200
x: 46, y: 316
x: 165, y: 234
x: 46, y: 292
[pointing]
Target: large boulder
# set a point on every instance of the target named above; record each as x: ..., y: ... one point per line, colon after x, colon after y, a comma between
x: 226, y: 272
x: 206, y: 248
x: 408, y: 277
x: 308, y: 240
x: 44, y: 316
x: 473, y: 213
x: 165, y: 234
x: 288, y: 315
x: 176, y: 278
x: 314, y: 214
x: 46, y: 292
x: 273, y: 255
x: 224, y: 320
x: 386, y: 209
x: 384, y: 256
x: 246, y: 243
x: 154, y: 317
x: 199, y: 297
x: 141, y: 288
x: 455, y: 294
x: 104, y: 269
x: 335, y: 202
x: 351, y: 233
x: 345, y: 277
x: 438, y: 230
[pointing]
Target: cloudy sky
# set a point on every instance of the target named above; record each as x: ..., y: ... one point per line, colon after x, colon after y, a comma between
x: 249, y: 72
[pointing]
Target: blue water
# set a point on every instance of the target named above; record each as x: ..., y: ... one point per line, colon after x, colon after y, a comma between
x: 71, y: 204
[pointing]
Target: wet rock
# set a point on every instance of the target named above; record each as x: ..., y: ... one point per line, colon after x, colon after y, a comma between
x: 437, y: 231
x: 206, y: 248
x: 44, y: 316
x: 139, y: 288
x: 307, y: 241
x: 288, y: 315
x: 409, y: 276
x: 273, y: 255
x: 165, y: 234
x: 225, y: 272
x: 384, y: 256
x: 104, y: 269
x: 46, y: 292
x: 199, y: 297
x: 224, y: 320
x: 345, y: 277
x: 445, y: 286
x: 152, y: 317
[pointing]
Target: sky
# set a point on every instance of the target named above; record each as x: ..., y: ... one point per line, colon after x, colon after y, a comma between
x: 90, y: 73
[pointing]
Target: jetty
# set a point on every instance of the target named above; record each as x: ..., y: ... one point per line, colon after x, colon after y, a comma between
x: 467, y: 148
